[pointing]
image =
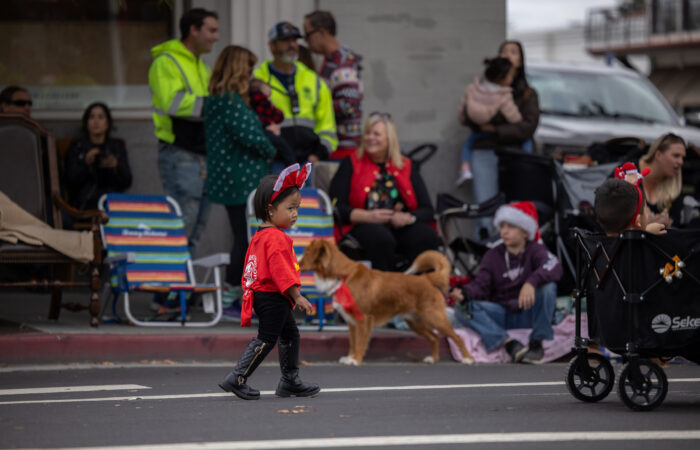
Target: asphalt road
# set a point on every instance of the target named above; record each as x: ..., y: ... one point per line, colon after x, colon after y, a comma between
x: 446, y: 405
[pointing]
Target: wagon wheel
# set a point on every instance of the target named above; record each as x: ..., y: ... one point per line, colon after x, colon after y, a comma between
x: 590, y: 377
x: 643, y: 391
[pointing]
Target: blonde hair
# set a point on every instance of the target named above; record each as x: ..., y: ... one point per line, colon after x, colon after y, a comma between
x: 232, y: 72
x: 670, y: 188
x: 394, y: 151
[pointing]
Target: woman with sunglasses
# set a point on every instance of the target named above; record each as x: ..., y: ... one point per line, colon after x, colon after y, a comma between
x: 381, y: 198
x: 15, y: 100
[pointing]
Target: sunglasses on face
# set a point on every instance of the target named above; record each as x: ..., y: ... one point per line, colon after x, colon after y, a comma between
x: 381, y: 115
x: 308, y: 35
x: 21, y: 103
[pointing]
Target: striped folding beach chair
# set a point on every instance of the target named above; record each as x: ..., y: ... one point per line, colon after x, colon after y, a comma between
x: 315, y: 221
x: 147, y: 251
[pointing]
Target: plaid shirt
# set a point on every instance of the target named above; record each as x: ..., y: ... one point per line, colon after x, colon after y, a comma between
x: 263, y: 107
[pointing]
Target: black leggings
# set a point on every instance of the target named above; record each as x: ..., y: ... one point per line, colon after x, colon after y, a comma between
x: 380, y: 243
x: 239, y: 227
x: 275, y: 318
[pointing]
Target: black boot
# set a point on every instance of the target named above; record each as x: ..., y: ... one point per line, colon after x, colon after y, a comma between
x: 290, y: 383
x: 251, y: 358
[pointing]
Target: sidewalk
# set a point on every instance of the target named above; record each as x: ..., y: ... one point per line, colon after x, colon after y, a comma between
x: 28, y: 337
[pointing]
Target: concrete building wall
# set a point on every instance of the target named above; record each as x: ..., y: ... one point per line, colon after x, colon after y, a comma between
x: 418, y: 57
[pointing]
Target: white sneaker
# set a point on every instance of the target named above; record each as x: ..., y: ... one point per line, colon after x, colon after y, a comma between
x: 465, y: 176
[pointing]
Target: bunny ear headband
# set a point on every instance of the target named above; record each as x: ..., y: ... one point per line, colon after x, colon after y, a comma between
x: 628, y: 172
x: 291, y: 176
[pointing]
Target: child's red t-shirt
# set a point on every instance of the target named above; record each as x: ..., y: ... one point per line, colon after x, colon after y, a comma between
x: 270, y: 266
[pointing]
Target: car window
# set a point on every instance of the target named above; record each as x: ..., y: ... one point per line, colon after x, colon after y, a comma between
x: 599, y: 95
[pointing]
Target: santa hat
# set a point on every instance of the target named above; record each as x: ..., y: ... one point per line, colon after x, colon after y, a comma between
x: 292, y: 176
x: 521, y: 214
x: 628, y: 172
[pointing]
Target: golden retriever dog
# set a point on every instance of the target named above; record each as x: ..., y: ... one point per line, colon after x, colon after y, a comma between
x: 416, y: 295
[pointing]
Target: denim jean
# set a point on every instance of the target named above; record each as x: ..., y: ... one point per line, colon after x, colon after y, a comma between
x: 183, y: 175
x: 485, y: 181
x: 484, y: 184
x: 491, y: 320
x: 468, y: 145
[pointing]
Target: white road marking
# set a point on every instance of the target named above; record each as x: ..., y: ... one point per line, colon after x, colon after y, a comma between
x: 53, y: 390
x: 323, y: 391
x: 385, y: 441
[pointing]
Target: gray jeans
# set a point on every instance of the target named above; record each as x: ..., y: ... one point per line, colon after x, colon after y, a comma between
x: 183, y: 175
x: 484, y: 184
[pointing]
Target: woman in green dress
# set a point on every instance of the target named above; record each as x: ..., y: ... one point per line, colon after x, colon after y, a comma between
x: 238, y: 152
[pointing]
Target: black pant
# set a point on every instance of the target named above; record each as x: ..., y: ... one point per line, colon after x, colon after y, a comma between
x: 237, y: 218
x: 275, y: 318
x: 381, y: 243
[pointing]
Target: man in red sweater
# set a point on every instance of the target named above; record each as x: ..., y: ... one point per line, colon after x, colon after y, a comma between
x: 341, y: 71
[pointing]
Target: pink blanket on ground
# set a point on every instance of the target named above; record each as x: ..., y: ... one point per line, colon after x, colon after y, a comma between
x: 562, y: 343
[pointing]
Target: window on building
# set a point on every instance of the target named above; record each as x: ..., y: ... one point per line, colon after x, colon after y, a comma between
x: 70, y: 53
x: 691, y: 15
x: 665, y: 16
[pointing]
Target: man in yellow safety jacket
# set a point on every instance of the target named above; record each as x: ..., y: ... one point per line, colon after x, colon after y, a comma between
x: 179, y: 80
x: 303, y: 97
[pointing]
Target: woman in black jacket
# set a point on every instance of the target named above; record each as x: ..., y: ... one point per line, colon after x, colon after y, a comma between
x: 96, y: 163
x: 499, y: 133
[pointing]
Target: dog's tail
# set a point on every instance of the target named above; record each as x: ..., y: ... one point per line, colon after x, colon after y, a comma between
x: 435, y: 266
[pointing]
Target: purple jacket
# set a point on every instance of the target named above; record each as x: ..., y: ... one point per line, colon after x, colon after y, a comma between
x: 535, y: 265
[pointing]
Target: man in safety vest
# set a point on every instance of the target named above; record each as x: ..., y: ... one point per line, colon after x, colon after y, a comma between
x: 179, y: 80
x: 305, y: 100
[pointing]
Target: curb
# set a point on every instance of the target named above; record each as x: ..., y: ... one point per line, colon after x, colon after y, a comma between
x: 38, y: 348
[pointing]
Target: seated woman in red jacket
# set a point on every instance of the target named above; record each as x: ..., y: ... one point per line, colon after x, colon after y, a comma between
x: 382, y: 200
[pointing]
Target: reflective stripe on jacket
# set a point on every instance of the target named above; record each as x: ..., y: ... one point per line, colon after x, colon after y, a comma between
x: 179, y: 82
x: 315, y: 102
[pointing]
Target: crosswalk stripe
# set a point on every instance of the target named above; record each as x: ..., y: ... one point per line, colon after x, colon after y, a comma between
x: 323, y: 391
x: 433, y: 440
x: 54, y: 390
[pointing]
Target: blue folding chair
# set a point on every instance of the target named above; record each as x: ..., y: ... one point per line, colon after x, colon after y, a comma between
x: 147, y: 251
x: 315, y: 221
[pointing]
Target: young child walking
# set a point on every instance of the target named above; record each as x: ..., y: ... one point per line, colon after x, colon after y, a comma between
x: 271, y: 287
x: 482, y: 100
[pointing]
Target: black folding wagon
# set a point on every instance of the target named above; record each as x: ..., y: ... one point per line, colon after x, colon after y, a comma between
x: 642, y: 295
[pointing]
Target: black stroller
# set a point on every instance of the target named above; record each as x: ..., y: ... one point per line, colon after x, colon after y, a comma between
x: 642, y: 295
x: 563, y: 199
x: 464, y: 252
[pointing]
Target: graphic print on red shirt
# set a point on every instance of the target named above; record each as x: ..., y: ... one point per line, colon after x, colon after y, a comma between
x: 271, y: 266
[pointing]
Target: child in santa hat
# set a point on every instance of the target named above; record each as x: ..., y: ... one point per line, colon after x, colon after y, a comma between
x: 515, y: 287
